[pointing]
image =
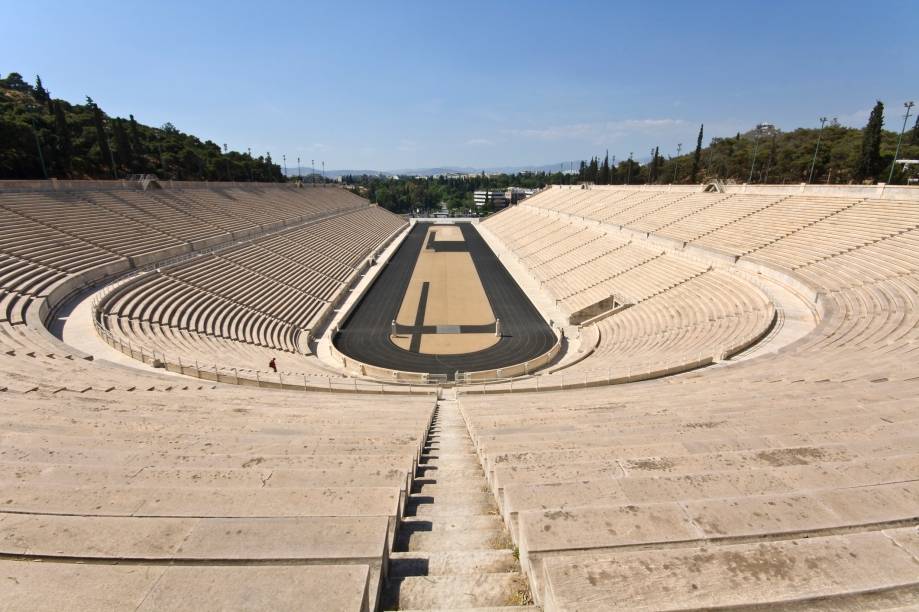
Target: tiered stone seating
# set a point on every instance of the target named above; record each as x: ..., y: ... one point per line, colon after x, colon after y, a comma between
x: 864, y: 223
x: 772, y: 222
x: 263, y: 292
x: 724, y: 209
x: 581, y: 266
x: 675, y: 211
x: 69, y: 214
x: 711, y: 315
x: 786, y: 480
x: 250, y: 479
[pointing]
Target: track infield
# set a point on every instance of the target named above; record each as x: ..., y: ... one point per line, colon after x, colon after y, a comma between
x: 445, y: 289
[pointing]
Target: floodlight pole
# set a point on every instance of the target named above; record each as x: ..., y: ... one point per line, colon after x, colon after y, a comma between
x: 909, y: 106
x: 810, y: 177
x: 284, y: 157
x: 313, y: 171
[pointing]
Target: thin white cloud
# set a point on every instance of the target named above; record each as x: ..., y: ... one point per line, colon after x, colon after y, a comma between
x: 599, y: 132
x: 856, y: 119
x: 480, y: 142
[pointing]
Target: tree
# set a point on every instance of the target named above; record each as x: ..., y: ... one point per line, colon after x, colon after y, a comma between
x: 604, y: 171
x: 123, y: 153
x: 697, y: 156
x: 15, y: 82
x: 652, y: 165
x: 136, y: 144
x: 64, y: 141
x: 869, y: 159
x: 105, y: 151
x: 915, y: 138
x: 41, y: 94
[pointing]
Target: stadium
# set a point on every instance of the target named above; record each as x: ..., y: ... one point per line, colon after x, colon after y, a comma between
x: 700, y: 398
x: 478, y: 307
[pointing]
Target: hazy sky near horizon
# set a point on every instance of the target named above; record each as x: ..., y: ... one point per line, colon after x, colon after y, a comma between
x: 388, y: 85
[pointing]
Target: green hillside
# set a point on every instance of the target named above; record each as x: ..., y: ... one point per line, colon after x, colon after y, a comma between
x: 81, y: 141
x: 846, y: 155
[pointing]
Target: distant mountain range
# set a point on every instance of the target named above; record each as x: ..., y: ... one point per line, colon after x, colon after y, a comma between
x: 563, y: 166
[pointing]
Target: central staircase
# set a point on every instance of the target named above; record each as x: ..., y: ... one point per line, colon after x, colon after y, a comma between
x: 452, y: 551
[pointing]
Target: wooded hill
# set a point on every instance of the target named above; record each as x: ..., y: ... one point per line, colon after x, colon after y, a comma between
x: 846, y: 155
x: 81, y: 141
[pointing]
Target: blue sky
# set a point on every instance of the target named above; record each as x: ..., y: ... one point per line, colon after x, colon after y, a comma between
x: 386, y: 85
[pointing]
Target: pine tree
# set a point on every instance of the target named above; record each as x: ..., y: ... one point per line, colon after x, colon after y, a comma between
x: 102, y: 139
x: 697, y: 156
x: 869, y: 160
x: 64, y: 141
x: 916, y: 132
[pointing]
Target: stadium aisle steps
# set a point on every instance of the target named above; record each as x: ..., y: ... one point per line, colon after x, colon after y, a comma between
x: 452, y: 550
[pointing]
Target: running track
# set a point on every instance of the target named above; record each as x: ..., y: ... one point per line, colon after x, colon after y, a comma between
x: 365, y: 334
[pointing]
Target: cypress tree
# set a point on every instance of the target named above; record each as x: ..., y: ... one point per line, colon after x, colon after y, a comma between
x: 697, y: 156
x: 869, y: 160
x: 41, y: 94
x: 123, y: 153
x: 137, y: 146
x: 604, y: 170
x: 916, y: 131
x: 64, y: 142
x: 104, y: 149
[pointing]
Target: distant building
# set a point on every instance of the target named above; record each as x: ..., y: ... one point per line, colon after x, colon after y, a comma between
x: 495, y: 199
x: 517, y: 194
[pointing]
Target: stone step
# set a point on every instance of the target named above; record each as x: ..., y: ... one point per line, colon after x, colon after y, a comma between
x: 443, y: 563
x: 454, y: 498
x: 438, y: 511
x: 485, y: 521
x: 442, y: 541
x: 442, y: 474
x: 450, y: 486
x: 450, y: 457
x: 454, y: 592
x: 490, y: 609
x: 450, y: 452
